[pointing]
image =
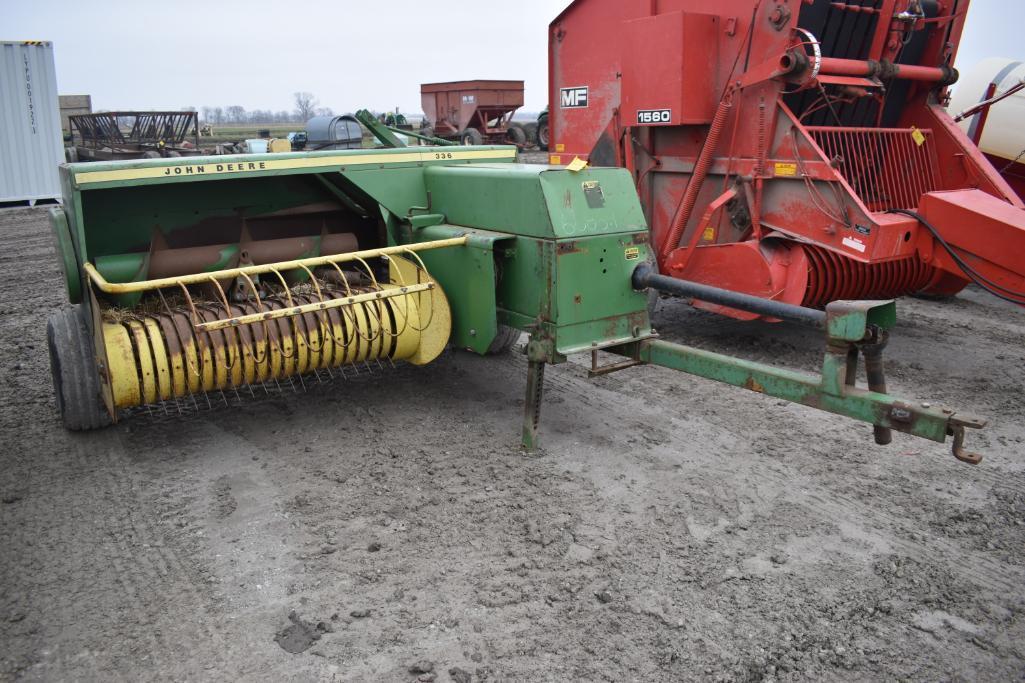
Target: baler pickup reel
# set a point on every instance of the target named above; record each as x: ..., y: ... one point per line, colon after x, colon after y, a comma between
x: 268, y: 323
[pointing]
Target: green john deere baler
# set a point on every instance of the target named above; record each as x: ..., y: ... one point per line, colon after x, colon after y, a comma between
x: 194, y: 279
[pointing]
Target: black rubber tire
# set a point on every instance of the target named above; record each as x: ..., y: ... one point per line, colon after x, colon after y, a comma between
x: 76, y: 382
x: 531, y: 130
x: 71, y: 155
x: 543, y: 137
x: 516, y: 135
x: 471, y: 136
x: 504, y: 341
x: 151, y: 154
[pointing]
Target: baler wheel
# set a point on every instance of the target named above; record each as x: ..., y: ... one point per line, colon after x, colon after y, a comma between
x: 471, y: 136
x: 76, y: 383
x: 530, y: 128
x: 503, y: 341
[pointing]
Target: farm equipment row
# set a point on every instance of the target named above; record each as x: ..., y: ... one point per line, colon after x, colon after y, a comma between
x: 196, y: 279
x: 117, y: 135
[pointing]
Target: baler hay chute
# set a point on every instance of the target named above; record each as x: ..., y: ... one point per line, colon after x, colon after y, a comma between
x: 195, y: 281
x: 793, y: 150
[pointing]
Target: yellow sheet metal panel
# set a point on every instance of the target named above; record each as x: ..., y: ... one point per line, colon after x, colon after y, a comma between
x: 433, y: 310
x: 122, y: 366
x: 146, y: 368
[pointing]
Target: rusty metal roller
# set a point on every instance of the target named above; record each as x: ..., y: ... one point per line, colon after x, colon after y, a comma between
x: 217, y: 345
x: 833, y: 277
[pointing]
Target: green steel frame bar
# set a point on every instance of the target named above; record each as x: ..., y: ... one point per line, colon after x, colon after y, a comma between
x: 828, y: 392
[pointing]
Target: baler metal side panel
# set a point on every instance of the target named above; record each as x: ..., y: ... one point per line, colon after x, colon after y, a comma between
x: 467, y: 275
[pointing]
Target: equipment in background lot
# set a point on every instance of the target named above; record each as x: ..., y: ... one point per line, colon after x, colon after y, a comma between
x: 333, y: 132
x: 31, y: 147
x: 795, y: 151
x: 73, y: 105
x: 392, y: 136
x: 116, y: 135
x: 473, y: 112
x: 278, y: 145
x: 544, y: 134
x: 256, y: 146
x: 989, y: 104
x: 195, y: 280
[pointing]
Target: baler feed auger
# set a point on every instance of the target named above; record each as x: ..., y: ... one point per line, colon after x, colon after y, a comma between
x: 194, y: 281
x: 794, y: 151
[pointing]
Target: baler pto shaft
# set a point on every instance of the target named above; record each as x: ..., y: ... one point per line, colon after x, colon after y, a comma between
x: 647, y: 277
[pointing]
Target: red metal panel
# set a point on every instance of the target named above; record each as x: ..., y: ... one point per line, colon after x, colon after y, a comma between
x: 820, y: 135
x: 454, y: 106
x: 669, y: 65
x: 986, y: 232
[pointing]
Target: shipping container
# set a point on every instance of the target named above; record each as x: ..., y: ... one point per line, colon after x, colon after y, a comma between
x: 31, y: 145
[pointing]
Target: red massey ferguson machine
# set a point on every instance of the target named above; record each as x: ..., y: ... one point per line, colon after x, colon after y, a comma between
x: 796, y: 150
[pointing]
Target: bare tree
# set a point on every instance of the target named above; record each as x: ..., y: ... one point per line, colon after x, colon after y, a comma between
x: 236, y: 113
x: 218, y: 113
x: 208, y: 114
x: 305, y: 105
x: 325, y: 111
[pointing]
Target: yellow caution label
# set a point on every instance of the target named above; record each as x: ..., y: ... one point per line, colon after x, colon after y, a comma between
x: 709, y: 234
x: 257, y: 163
x: 577, y: 165
x: 632, y: 253
x: 555, y: 160
x: 560, y: 148
x: 918, y: 136
x: 785, y: 169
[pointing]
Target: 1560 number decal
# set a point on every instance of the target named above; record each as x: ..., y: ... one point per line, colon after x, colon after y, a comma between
x: 648, y: 117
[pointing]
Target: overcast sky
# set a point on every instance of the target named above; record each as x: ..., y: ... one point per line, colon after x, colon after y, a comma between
x: 141, y: 54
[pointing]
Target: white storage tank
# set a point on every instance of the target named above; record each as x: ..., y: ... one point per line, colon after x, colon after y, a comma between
x: 31, y: 145
x: 1003, y: 135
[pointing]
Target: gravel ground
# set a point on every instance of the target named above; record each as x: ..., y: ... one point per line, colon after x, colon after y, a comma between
x: 389, y: 528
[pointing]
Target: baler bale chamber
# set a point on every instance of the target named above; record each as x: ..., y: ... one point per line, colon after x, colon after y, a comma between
x: 474, y: 112
x: 199, y: 282
x: 794, y: 151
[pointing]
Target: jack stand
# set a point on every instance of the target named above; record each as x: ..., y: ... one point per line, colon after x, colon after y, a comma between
x: 532, y: 406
